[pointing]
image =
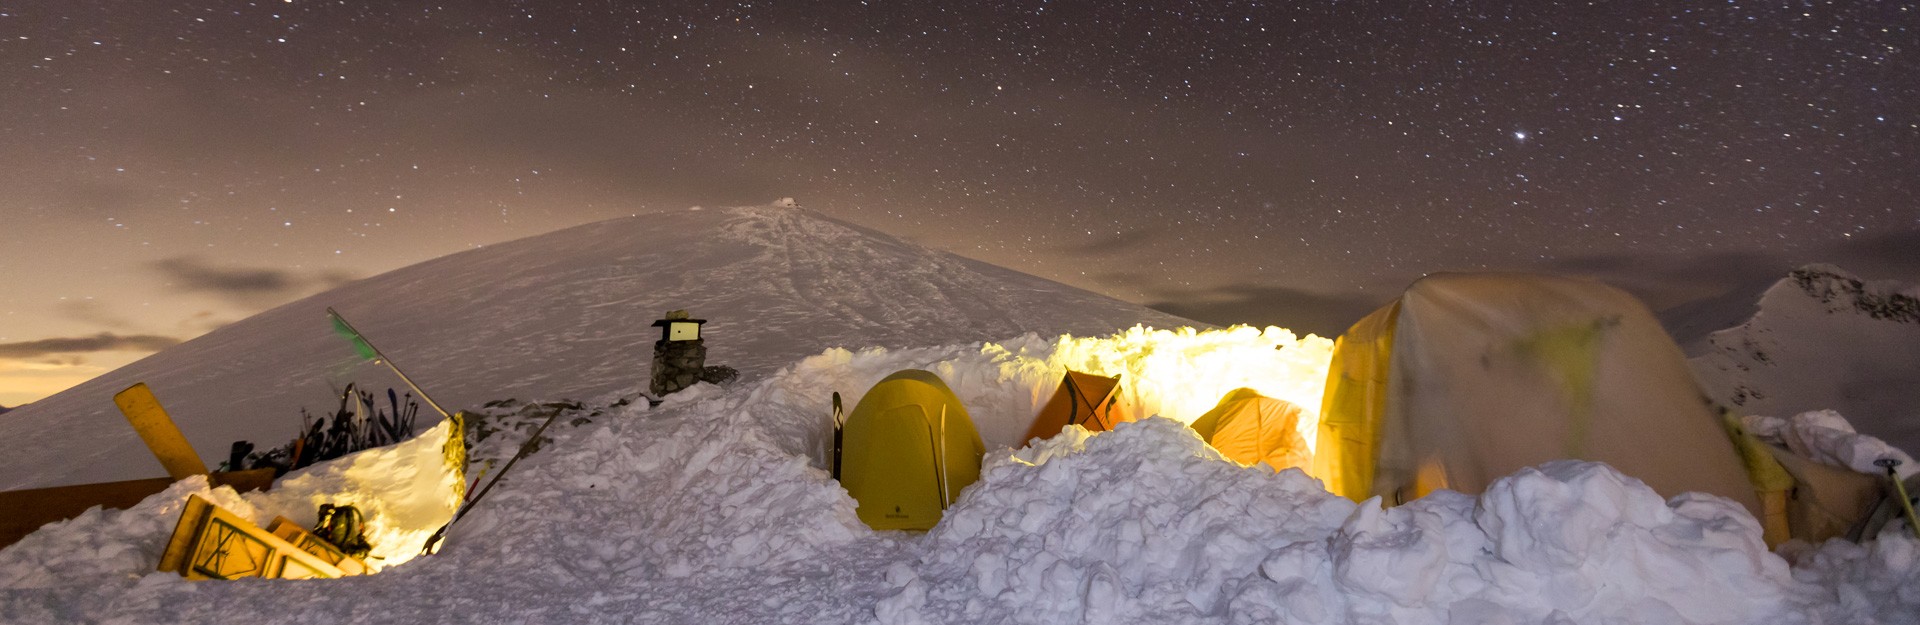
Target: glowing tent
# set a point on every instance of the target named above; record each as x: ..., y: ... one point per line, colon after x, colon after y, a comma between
x: 1083, y: 399
x: 1469, y: 377
x: 908, y: 449
x: 1250, y: 428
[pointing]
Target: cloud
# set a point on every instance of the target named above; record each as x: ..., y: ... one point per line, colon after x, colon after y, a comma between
x: 1666, y: 280
x: 102, y: 342
x: 193, y: 274
x: 1304, y: 312
x: 253, y: 287
x: 1675, y: 278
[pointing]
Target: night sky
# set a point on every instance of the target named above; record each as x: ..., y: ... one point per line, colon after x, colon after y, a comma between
x: 167, y: 167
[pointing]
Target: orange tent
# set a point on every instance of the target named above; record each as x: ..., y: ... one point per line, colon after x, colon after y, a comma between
x: 1083, y: 399
x: 1250, y: 428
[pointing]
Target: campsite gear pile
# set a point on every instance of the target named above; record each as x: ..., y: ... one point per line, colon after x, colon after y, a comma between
x: 358, y: 424
x: 211, y: 542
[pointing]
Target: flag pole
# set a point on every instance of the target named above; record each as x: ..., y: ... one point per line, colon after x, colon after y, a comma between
x: 382, y: 359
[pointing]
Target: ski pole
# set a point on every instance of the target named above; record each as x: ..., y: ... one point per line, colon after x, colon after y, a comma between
x: 525, y: 448
x: 1900, y: 490
x: 378, y: 357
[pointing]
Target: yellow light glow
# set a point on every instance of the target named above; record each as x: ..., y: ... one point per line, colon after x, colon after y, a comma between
x: 1181, y: 374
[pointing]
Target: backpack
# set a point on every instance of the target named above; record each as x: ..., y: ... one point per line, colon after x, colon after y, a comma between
x: 344, y: 527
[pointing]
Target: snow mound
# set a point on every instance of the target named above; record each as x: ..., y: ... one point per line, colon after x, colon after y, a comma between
x: 1827, y: 437
x: 1112, y: 527
x: 1147, y: 524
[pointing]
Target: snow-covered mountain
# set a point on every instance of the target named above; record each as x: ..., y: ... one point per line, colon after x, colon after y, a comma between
x: 566, y: 314
x: 1822, y: 338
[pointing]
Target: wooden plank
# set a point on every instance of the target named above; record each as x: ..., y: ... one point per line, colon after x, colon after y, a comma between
x: 29, y: 510
x: 219, y: 544
x: 150, y: 420
x: 192, y: 518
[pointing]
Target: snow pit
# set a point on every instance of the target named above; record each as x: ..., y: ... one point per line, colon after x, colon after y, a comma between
x: 1176, y: 374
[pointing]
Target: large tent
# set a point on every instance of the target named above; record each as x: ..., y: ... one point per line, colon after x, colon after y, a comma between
x: 1083, y: 399
x: 1470, y: 377
x: 907, y: 451
x: 1250, y: 428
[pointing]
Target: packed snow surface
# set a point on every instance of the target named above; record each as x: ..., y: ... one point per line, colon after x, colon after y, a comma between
x: 714, y: 508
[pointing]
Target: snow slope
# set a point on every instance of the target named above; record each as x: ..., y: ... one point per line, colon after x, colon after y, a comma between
x: 561, y: 315
x: 1822, y: 338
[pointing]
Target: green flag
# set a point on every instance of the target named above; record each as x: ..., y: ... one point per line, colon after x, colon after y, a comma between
x: 345, y: 331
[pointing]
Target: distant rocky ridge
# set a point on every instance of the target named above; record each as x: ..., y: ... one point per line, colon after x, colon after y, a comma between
x: 1841, y: 291
x: 1822, y: 338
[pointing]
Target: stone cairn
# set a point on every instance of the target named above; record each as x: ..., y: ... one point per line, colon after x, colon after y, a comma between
x: 680, y: 364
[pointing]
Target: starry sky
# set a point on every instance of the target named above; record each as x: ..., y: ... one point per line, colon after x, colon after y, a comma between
x: 167, y: 167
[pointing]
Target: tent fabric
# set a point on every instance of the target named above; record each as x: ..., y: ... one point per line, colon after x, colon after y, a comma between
x: 1485, y: 374
x: 1355, y: 403
x: 1083, y: 399
x: 1826, y: 502
x: 1250, y: 428
x: 907, y: 450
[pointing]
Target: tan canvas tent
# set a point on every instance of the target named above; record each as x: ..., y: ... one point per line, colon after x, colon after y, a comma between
x: 908, y: 449
x: 1470, y: 377
x: 1083, y: 399
x: 1250, y: 428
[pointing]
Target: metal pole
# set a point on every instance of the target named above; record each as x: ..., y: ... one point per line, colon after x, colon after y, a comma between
x: 381, y: 358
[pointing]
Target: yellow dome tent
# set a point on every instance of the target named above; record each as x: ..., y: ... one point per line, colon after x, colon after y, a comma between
x: 1470, y: 377
x: 907, y: 451
x: 1250, y: 428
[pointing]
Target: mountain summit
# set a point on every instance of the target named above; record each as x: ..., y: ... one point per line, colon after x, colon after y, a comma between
x: 566, y: 314
x: 1823, y: 338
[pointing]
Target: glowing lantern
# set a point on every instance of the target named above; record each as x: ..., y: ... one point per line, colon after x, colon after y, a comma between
x: 679, y: 327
